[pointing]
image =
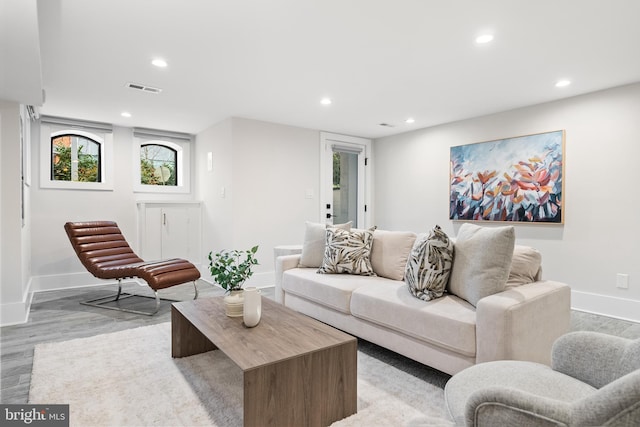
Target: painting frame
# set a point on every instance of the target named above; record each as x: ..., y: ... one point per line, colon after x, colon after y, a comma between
x: 517, y: 179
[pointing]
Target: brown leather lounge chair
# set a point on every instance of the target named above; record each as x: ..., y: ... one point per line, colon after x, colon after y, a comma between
x: 105, y: 253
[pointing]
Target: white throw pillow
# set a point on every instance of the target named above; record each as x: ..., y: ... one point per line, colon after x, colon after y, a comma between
x: 482, y: 260
x: 526, y: 266
x: 390, y: 252
x: 314, y: 242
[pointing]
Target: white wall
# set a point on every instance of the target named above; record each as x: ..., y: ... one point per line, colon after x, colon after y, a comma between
x: 265, y: 169
x: 600, y: 234
x: 54, y: 263
x: 14, y: 265
x: 217, y: 211
x: 53, y: 259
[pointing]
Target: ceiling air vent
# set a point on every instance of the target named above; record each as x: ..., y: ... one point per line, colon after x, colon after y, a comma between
x: 143, y: 88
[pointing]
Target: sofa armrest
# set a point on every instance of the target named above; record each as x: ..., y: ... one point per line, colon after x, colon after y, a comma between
x: 591, y: 357
x: 522, y: 323
x: 284, y: 263
x: 493, y: 406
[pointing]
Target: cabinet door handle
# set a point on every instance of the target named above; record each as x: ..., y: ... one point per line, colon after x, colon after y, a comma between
x: 164, y: 219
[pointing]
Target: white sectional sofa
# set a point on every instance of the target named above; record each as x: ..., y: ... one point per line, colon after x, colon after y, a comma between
x: 448, y: 333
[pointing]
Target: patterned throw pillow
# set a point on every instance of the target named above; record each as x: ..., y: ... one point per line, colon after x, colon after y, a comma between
x: 348, y: 252
x: 429, y: 265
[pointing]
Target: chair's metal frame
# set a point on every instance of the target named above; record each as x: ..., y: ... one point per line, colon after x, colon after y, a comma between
x: 99, y: 302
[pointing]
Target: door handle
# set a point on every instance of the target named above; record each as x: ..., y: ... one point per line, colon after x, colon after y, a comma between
x: 164, y: 219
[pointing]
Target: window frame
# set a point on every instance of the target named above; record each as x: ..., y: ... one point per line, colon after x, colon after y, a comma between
x: 102, y: 137
x: 183, y: 165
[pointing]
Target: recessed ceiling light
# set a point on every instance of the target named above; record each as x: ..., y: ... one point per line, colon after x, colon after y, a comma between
x: 410, y: 120
x: 159, y: 62
x: 485, y: 38
x: 563, y: 83
x: 125, y: 114
x: 325, y: 101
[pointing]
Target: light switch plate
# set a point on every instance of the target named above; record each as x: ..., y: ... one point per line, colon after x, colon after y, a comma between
x: 209, y: 161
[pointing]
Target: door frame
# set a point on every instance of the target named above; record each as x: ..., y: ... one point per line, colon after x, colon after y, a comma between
x: 365, y: 167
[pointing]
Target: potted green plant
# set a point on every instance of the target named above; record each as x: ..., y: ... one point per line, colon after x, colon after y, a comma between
x: 230, y: 269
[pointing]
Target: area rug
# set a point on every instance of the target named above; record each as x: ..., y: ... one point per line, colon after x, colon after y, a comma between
x: 128, y: 378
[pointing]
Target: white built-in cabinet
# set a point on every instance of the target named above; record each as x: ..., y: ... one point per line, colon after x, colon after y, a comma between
x: 170, y: 230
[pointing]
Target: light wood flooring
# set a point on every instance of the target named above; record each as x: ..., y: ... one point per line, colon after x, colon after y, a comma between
x: 58, y: 316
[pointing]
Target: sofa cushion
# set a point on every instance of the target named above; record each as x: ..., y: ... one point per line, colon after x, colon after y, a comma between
x: 448, y: 322
x: 429, y: 265
x: 330, y: 290
x: 526, y: 266
x: 348, y: 252
x: 482, y: 260
x: 390, y: 252
x: 315, y: 236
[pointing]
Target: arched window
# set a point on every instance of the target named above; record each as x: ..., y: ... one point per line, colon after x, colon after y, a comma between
x: 75, y: 154
x: 158, y: 165
x: 162, y: 161
x: 76, y: 157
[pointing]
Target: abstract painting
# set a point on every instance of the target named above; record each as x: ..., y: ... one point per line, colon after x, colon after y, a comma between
x: 514, y: 179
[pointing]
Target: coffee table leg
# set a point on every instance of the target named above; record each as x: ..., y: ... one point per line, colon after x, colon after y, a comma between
x: 314, y: 389
x: 186, y: 340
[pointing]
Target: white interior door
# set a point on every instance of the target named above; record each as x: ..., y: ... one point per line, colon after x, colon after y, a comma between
x: 344, y: 179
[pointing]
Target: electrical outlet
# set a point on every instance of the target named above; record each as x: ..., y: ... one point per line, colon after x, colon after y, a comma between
x: 622, y: 281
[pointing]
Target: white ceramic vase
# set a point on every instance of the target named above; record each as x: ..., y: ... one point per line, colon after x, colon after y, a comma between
x: 252, y: 307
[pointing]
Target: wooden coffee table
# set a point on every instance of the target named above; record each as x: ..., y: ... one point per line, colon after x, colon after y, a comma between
x: 297, y: 371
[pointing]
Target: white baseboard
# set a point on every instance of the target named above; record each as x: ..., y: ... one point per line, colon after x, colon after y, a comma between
x: 15, y: 313
x: 259, y: 280
x: 18, y: 312
x: 262, y: 280
x: 67, y: 281
x: 604, y: 305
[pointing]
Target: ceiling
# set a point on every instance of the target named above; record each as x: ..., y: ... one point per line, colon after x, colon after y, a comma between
x: 380, y: 61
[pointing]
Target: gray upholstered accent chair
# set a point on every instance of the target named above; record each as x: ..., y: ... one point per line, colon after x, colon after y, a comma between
x: 594, y: 380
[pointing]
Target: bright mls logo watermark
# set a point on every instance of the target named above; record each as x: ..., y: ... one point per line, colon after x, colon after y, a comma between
x: 34, y: 415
